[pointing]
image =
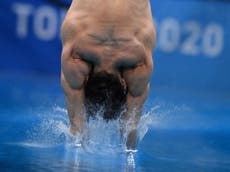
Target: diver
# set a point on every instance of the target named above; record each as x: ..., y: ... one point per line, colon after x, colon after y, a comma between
x: 107, y: 61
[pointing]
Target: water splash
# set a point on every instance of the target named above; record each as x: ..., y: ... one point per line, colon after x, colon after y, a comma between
x: 131, y: 165
x: 51, y: 128
x: 99, y: 136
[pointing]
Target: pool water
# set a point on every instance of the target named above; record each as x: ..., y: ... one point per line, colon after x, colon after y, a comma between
x: 180, y: 130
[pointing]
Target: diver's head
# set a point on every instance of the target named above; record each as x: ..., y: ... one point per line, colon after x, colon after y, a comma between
x: 104, y: 94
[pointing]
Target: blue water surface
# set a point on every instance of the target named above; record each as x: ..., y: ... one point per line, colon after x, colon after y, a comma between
x: 180, y: 131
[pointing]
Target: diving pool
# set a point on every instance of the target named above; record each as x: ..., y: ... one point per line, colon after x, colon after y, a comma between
x: 181, y: 130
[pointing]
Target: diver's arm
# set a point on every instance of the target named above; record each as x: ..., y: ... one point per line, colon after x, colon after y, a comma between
x: 75, y: 106
x: 132, y: 118
x: 73, y: 77
x: 137, y: 80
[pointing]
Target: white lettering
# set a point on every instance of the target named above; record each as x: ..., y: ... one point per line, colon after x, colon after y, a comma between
x: 190, y: 44
x: 23, y: 12
x: 169, y: 35
x: 190, y: 38
x: 45, y: 23
x: 213, y: 40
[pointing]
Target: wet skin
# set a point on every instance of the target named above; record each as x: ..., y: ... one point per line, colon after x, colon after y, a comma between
x: 116, y: 37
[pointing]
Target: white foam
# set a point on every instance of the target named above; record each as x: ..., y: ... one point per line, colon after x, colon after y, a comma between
x: 99, y: 136
x: 31, y: 144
